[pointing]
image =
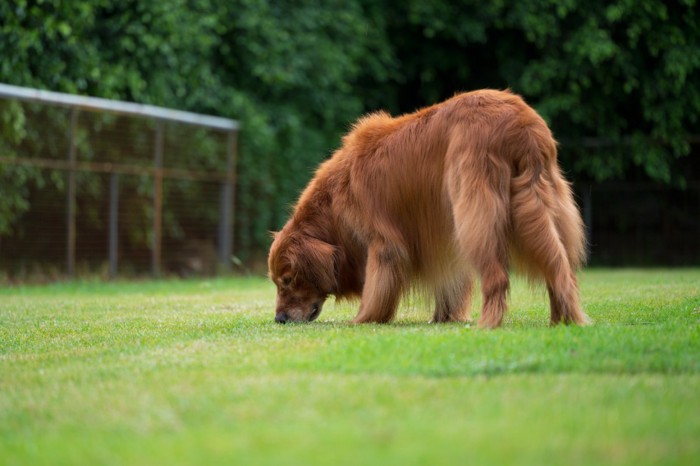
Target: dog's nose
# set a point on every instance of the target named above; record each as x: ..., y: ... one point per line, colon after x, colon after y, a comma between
x: 281, y: 318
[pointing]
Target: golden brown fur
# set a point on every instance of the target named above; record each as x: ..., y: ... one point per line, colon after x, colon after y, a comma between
x: 436, y: 197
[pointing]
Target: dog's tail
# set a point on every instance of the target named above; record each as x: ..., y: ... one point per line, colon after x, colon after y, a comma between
x: 547, y: 231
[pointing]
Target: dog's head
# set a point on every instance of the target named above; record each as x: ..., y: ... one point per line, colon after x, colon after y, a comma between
x: 303, y: 269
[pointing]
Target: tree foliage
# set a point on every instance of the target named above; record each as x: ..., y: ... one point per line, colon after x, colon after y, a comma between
x: 619, y: 81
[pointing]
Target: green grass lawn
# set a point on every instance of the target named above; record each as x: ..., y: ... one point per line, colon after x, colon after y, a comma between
x: 196, y: 372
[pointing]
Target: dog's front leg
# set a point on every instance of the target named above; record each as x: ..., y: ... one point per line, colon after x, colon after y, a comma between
x: 385, y: 280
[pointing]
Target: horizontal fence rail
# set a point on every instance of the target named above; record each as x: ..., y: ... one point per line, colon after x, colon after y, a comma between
x: 97, y: 104
x: 121, y: 169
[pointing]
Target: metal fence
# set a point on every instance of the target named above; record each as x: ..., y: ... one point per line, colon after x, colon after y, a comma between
x: 97, y: 185
x: 642, y: 224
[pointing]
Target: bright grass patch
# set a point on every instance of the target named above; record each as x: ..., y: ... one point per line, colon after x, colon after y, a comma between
x: 196, y: 372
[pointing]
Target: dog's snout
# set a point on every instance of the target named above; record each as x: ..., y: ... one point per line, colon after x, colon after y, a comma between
x: 281, y: 318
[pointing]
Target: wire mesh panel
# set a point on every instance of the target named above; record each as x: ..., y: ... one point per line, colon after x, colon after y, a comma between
x: 107, y: 188
x: 33, y: 242
x: 643, y: 224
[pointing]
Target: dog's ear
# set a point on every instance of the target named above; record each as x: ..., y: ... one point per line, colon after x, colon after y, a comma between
x: 318, y: 264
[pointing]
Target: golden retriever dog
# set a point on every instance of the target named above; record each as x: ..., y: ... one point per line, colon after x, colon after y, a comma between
x: 433, y: 199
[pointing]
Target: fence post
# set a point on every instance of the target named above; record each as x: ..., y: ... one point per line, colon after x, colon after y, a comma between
x: 113, y: 223
x: 157, y: 200
x: 226, y: 203
x: 70, y: 195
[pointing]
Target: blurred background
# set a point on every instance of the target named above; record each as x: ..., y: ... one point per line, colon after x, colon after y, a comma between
x: 618, y: 82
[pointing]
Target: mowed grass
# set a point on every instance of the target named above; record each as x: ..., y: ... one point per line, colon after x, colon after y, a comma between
x: 196, y: 372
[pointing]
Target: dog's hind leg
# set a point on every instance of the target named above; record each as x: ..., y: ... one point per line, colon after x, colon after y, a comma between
x: 452, y: 300
x: 548, y: 235
x: 479, y: 196
x: 495, y: 284
x: 564, y: 291
x: 385, y: 281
